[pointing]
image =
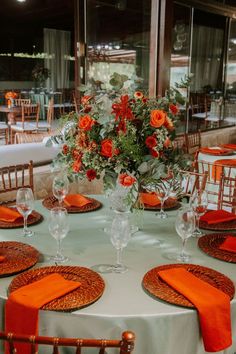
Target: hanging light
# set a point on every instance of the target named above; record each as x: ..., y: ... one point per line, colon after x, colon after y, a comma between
x: 21, y: 0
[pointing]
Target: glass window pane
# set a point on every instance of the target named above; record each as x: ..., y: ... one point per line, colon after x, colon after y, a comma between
x: 118, y: 40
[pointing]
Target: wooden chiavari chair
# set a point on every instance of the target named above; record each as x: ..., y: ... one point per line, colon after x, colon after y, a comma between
x: 227, y: 194
x: 125, y: 345
x: 14, y: 177
x: 192, y: 142
x: 4, y: 131
x: 47, y: 125
x: 21, y: 101
x: 192, y: 181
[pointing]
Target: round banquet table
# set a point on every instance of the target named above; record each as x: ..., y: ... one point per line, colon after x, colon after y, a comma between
x: 160, y: 328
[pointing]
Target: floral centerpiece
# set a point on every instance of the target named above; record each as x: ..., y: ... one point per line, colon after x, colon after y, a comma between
x: 40, y: 74
x: 129, y: 138
x: 10, y: 96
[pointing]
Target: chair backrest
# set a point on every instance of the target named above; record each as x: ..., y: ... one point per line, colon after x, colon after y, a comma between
x: 76, y: 102
x: 21, y: 101
x: 179, y: 142
x: 192, y: 142
x: 125, y: 345
x: 192, y: 181
x: 50, y: 111
x: 227, y: 194
x: 215, y: 172
x: 15, y: 177
x: 30, y: 113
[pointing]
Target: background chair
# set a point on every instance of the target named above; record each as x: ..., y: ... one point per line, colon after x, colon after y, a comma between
x: 21, y: 101
x: 47, y: 125
x: 192, y: 181
x: 4, y: 132
x: 125, y: 345
x: 14, y: 177
x: 29, y: 120
x: 227, y: 195
x: 192, y: 142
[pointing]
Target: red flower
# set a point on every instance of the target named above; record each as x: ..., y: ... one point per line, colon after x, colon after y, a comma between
x: 86, y: 123
x: 76, y: 166
x: 158, y: 118
x: 107, y: 148
x: 126, y: 180
x: 91, y: 174
x: 167, y: 142
x: 123, y: 112
x: 151, y: 141
x: 154, y: 153
x: 174, y: 109
x: 86, y: 99
x: 65, y: 149
x: 138, y: 95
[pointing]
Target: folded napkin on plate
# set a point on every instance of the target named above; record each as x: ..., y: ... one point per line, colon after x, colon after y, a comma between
x: 149, y: 199
x: 22, y: 306
x: 2, y: 259
x: 9, y: 214
x: 213, y: 151
x: 217, y: 216
x: 213, y: 307
x: 229, y: 244
x: 229, y: 146
x: 76, y: 200
x: 218, y: 165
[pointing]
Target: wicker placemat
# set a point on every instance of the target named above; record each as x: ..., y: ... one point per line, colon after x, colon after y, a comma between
x: 169, y: 204
x: 33, y: 218
x: 222, y: 226
x: 18, y: 257
x: 90, y: 290
x: 51, y: 202
x: 156, y: 287
x: 210, y: 244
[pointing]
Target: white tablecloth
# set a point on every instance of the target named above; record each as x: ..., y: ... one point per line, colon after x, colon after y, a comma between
x: 160, y: 328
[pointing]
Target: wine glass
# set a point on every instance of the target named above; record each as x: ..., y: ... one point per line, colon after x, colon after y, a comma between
x: 199, y: 202
x: 58, y: 227
x: 25, y: 206
x: 184, y: 225
x: 163, y: 193
x: 60, y: 187
x: 120, y: 236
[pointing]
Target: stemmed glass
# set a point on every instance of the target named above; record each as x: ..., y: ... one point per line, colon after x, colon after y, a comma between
x: 199, y: 202
x: 25, y: 206
x: 120, y: 236
x: 58, y: 227
x: 184, y: 225
x: 163, y: 193
x: 60, y: 187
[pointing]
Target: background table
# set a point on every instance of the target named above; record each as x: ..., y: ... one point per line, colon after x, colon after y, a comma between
x: 160, y: 328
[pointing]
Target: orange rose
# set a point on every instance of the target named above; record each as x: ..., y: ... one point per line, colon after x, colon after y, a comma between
x: 85, y: 99
x: 151, y: 141
x: 86, y: 123
x: 158, y: 118
x: 76, y: 166
x: 107, y: 148
x: 169, y: 124
x: 126, y: 180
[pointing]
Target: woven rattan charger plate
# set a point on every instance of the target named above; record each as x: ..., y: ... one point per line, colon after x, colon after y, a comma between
x: 221, y: 226
x: 18, y: 257
x: 51, y: 202
x: 90, y: 290
x: 33, y: 218
x: 156, y: 287
x: 169, y: 204
x: 210, y: 245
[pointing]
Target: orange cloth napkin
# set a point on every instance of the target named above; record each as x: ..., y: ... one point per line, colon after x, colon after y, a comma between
x: 212, y: 151
x: 149, y: 199
x: 76, y: 200
x: 229, y: 244
x: 21, y: 310
x: 217, y: 216
x: 9, y: 214
x: 229, y: 146
x: 213, y: 307
x: 217, y: 167
x: 2, y: 259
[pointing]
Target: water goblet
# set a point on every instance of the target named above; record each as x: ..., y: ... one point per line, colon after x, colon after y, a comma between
x: 58, y: 227
x: 163, y: 193
x: 25, y: 206
x: 199, y: 202
x: 60, y: 187
x: 184, y: 225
